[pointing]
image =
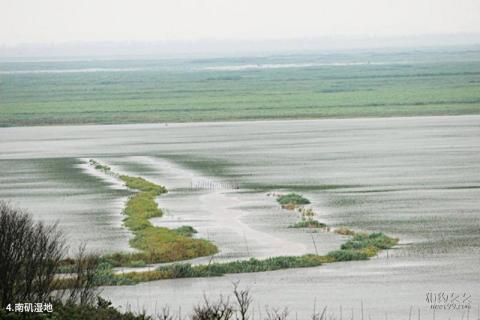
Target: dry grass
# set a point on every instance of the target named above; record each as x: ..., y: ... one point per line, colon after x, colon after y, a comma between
x: 344, y: 231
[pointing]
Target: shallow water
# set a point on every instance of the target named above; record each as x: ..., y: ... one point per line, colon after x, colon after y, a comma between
x: 414, y: 178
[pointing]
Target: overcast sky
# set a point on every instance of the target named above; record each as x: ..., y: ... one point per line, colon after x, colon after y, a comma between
x: 24, y: 21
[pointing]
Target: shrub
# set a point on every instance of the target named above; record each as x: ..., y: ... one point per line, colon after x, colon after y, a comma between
x: 137, y: 264
x: 243, y: 266
x: 186, y: 231
x: 182, y: 270
x: 347, y: 255
x: 30, y: 254
x: 309, y: 224
x: 219, y: 310
x: 382, y: 241
x: 307, y: 214
x: 370, y: 251
x: 363, y: 240
x: 139, y: 209
x: 292, y: 199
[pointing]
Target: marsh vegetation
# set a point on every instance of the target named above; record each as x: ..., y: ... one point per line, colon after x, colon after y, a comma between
x: 307, y: 216
x: 381, y: 85
x: 361, y: 246
x: 160, y: 244
x: 309, y: 223
x: 154, y: 244
x: 415, y: 169
x: 292, y: 200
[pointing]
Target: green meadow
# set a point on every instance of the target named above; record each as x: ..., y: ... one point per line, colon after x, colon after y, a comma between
x: 283, y: 87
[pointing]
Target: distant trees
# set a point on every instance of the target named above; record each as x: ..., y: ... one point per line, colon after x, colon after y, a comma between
x: 30, y: 253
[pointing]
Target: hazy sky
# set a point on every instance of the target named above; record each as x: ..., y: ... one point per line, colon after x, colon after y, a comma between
x: 152, y: 20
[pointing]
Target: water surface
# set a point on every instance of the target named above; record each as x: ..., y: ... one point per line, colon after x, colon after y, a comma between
x: 414, y: 178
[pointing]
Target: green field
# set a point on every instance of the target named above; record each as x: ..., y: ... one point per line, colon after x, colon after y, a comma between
x: 409, y: 83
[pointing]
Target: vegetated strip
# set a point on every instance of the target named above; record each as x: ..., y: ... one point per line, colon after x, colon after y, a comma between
x: 294, y: 201
x: 155, y: 244
x: 361, y: 246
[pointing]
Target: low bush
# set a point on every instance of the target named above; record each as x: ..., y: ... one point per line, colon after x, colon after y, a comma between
x: 344, y: 231
x: 363, y: 240
x: 307, y: 213
x: 185, y: 270
x: 370, y: 251
x: 362, y: 246
x: 186, y: 231
x: 30, y: 253
x: 309, y: 224
x: 137, y: 264
x: 347, y: 255
x: 243, y: 266
x: 292, y: 199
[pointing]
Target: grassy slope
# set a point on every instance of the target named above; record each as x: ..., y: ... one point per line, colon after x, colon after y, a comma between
x: 419, y: 88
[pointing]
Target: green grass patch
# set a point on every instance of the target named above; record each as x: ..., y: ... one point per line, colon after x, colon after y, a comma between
x: 99, y: 166
x: 363, y: 240
x: 438, y: 83
x: 291, y: 200
x: 155, y: 244
x: 139, y: 209
x: 347, y: 255
x: 362, y: 246
x: 186, y: 231
x: 158, y: 244
x: 138, y: 264
x: 166, y: 245
x: 309, y: 224
x: 140, y: 184
x: 185, y: 270
x: 270, y: 264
